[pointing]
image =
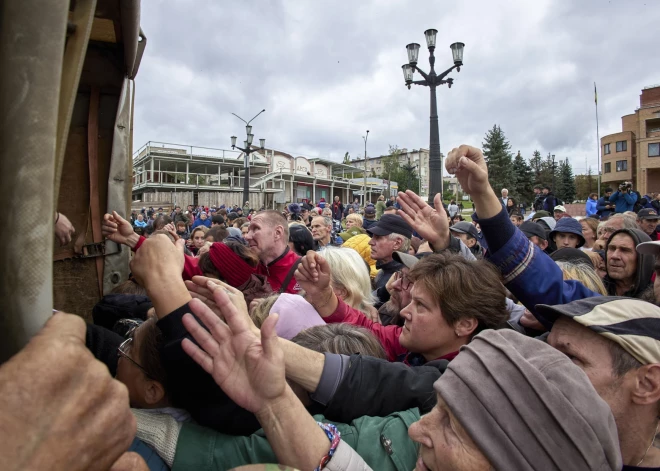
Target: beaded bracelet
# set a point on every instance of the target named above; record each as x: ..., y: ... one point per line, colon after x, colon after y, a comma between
x: 335, y: 437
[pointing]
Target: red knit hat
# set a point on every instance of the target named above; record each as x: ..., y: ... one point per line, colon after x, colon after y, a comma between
x: 232, y: 268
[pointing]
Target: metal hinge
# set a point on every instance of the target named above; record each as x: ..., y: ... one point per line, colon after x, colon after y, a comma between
x: 97, y: 249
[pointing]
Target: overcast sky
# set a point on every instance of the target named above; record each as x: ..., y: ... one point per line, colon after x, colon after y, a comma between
x: 326, y: 71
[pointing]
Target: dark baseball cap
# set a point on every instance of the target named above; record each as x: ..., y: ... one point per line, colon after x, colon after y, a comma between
x: 391, y: 224
x: 647, y: 213
x: 530, y: 229
x: 465, y: 227
x: 369, y: 210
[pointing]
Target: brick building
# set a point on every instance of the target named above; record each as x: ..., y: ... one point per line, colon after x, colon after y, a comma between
x: 634, y: 153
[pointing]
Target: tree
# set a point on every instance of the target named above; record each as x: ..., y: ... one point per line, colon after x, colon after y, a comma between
x: 545, y: 177
x: 407, y: 178
x: 536, y: 164
x: 347, y: 158
x: 390, y: 166
x: 523, y: 191
x: 498, y: 158
x: 566, y: 182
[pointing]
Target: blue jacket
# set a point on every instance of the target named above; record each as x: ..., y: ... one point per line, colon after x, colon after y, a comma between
x: 528, y: 272
x: 624, y: 201
x: 550, y: 202
x: 601, y: 206
x: 591, y: 207
x: 199, y: 222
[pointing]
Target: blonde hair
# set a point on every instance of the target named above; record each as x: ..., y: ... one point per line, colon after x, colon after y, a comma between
x: 350, y: 273
x: 584, y: 274
x: 356, y: 218
x: 260, y: 312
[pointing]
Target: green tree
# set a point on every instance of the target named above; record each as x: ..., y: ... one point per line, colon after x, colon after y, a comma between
x: 390, y: 166
x: 536, y: 164
x: 546, y: 173
x: 523, y: 191
x: 498, y: 157
x: 566, y: 182
x: 347, y: 158
x: 407, y: 177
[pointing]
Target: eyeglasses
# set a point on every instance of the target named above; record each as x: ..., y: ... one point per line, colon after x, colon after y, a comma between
x: 125, y: 347
x: 405, y: 281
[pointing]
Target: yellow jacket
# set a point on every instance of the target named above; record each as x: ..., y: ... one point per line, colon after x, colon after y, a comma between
x: 360, y: 243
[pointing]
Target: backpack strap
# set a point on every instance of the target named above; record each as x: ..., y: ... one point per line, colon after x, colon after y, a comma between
x: 287, y: 280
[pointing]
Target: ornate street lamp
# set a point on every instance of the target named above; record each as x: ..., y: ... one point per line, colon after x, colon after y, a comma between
x: 247, y: 150
x: 432, y: 80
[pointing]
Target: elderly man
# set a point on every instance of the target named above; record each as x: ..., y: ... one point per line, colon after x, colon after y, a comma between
x: 390, y: 234
x: 505, y: 196
x: 322, y: 232
x: 647, y: 221
x: 614, y: 223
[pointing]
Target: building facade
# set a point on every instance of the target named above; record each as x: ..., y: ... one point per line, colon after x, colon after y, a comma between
x: 169, y: 174
x: 634, y: 153
x: 417, y: 157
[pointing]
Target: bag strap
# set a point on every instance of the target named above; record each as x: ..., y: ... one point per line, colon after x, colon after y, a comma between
x: 289, y: 275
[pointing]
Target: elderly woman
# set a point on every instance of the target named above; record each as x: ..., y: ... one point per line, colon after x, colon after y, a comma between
x: 506, y: 402
x: 350, y: 277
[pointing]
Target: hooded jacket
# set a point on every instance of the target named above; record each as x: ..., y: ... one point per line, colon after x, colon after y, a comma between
x: 644, y: 270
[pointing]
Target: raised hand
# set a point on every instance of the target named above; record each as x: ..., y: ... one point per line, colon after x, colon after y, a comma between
x: 469, y: 166
x: 313, y: 275
x: 430, y: 223
x: 118, y: 229
x: 207, y: 290
x: 251, y: 371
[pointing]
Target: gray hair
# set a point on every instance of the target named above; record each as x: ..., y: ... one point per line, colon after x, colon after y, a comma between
x: 326, y: 220
x: 629, y: 222
x: 405, y: 242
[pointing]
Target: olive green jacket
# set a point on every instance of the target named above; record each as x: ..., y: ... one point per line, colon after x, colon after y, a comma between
x: 380, y: 209
x: 382, y: 442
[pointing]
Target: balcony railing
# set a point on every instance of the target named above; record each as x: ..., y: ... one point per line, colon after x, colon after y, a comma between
x: 183, y: 151
x: 191, y: 180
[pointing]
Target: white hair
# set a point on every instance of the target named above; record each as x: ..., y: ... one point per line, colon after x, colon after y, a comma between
x: 349, y: 272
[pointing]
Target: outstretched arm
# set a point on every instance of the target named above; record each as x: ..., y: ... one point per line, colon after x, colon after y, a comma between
x: 252, y: 373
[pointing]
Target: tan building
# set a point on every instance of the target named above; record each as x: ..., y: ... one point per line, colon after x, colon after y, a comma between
x: 634, y: 154
x: 417, y: 157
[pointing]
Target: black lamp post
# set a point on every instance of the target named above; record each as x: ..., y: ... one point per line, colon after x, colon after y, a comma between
x: 247, y: 150
x: 432, y: 80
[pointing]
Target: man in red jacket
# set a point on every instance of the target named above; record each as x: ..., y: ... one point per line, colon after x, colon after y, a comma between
x: 268, y: 237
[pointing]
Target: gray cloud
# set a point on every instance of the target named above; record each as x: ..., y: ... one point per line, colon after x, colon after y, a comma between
x: 327, y: 71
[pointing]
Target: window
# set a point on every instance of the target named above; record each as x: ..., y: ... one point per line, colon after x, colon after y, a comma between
x: 607, y: 149
x: 621, y: 146
x: 654, y: 149
x: 608, y: 167
x: 621, y: 165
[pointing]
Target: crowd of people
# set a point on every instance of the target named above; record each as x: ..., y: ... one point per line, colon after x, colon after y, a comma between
x: 334, y: 336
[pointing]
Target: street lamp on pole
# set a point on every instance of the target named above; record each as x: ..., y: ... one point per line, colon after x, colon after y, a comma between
x: 432, y: 80
x: 364, y: 193
x: 247, y: 150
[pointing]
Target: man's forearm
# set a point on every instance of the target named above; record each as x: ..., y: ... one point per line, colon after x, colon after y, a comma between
x: 303, y: 366
x: 285, y: 418
x: 487, y: 203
